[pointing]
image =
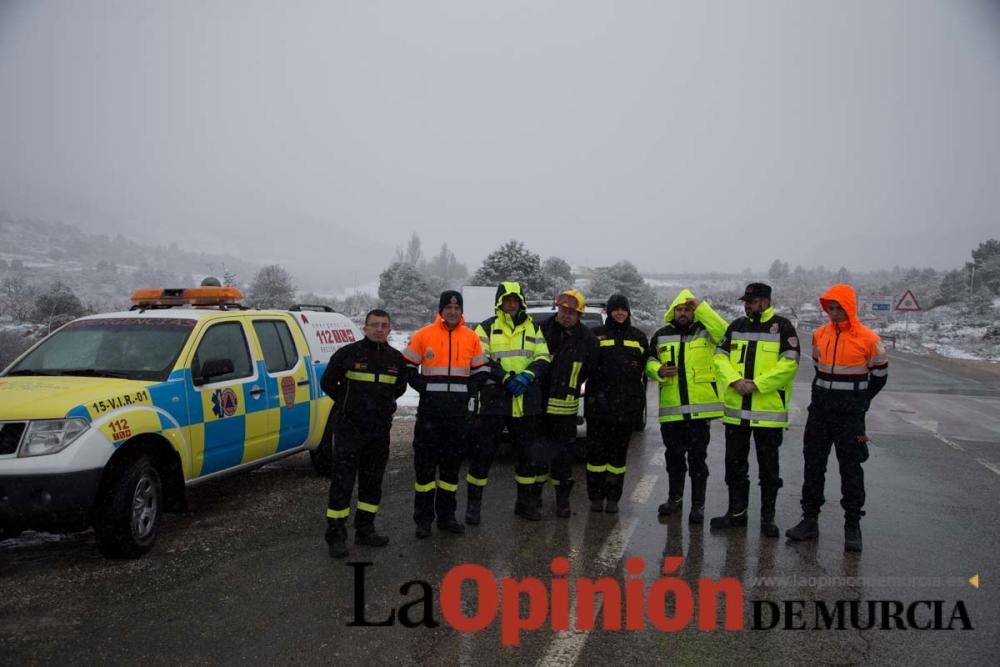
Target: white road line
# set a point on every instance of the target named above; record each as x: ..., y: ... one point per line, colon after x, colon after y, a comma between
x: 656, y: 459
x: 566, y: 646
x: 953, y: 445
x: 644, y: 489
x: 989, y: 466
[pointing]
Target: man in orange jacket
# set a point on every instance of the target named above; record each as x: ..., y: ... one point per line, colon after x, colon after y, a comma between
x: 851, y: 368
x: 445, y: 364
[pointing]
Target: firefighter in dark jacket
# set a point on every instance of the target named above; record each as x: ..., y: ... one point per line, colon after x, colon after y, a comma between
x: 756, y: 363
x: 614, y: 403
x: 851, y: 369
x: 574, y: 350
x: 510, y: 396
x: 446, y: 363
x: 364, y: 379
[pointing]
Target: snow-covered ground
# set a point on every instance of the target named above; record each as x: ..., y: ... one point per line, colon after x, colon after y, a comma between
x: 408, y: 401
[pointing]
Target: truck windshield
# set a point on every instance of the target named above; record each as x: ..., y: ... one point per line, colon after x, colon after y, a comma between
x: 134, y: 348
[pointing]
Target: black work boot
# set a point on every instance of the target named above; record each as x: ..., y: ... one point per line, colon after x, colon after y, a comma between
x: 474, y: 505
x: 562, y: 498
x: 370, y: 538
x: 336, y: 538
x: 675, y: 496
x: 423, y: 530
x: 525, y: 505
x: 595, y: 490
x: 852, y: 535
x: 451, y: 524
x: 807, y: 529
x: 768, y: 498
x: 736, y: 515
x: 698, y: 486
x: 613, y: 492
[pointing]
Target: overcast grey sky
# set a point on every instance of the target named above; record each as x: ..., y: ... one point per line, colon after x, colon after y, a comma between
x: 682, y: 136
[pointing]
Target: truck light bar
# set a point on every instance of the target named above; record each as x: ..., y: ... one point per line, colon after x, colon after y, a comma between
x: 195, y: 296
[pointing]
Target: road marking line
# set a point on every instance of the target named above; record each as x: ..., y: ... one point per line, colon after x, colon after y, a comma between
x: 567, y: 645
x: 656, y: 459
x: 989, y: 466
x: 644, y: 489
x: 953, y: 445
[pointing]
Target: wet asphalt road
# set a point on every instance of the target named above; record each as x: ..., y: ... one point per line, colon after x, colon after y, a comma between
x: 245, y: 576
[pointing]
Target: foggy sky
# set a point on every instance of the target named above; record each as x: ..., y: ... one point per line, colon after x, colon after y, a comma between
x: 683, y: 136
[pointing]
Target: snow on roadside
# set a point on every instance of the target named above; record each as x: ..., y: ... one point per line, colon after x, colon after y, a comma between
x: 409, y: 400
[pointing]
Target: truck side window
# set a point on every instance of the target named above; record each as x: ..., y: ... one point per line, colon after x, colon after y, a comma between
x: 277, y: 343
x: 225, y: 341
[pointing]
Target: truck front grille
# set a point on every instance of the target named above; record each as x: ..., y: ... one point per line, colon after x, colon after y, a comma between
x: 10, y: 436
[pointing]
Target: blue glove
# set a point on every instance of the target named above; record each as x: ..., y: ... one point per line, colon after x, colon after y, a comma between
x: 518, y: 384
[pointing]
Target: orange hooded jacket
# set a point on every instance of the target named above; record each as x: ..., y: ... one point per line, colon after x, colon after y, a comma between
x: 851, y: 364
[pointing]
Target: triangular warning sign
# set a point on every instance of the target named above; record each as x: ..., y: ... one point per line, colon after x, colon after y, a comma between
x: 974, y: 580
x: 908, y: 302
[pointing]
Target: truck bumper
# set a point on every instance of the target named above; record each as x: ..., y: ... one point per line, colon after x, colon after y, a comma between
x: 48, y: 501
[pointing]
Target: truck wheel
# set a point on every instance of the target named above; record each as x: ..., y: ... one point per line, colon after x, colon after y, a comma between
x: 322, y: 456
x: 129, y: 514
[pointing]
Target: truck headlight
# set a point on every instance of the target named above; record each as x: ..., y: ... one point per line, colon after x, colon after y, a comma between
x: 51, y: 436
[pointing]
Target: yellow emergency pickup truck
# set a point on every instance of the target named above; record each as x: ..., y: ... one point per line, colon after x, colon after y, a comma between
x: 108, y: 420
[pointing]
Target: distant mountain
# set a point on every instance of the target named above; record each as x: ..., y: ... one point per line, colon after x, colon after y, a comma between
x: 104, y: 270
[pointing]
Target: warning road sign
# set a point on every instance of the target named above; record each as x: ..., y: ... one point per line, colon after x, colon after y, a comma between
x: 908, y: 303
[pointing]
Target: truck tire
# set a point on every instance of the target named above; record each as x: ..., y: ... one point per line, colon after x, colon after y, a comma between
x: 129, y: 513
x: 322, y: 456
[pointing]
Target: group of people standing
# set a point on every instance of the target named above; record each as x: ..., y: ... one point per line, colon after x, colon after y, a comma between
x: 515, y: 375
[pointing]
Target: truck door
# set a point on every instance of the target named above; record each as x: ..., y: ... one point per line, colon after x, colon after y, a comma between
x: 232, y: 405
x: 287, y: 374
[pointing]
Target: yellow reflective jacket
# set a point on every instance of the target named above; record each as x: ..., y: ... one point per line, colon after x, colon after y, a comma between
x: 512, y: 345
x: 694, y: 392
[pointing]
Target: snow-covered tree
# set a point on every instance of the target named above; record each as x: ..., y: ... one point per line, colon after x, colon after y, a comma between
x: 558, y: 273
x: 272, y: 287
x: 17, y: 298
x: 404, y: 293
x: 980, y: 307
x: 778, y: 271
x: 625, y: 279
x: 445, y: 270
x: 843, y: 276
x: 412, y: 254
x: 513, y: 262
x: 954, y: 288
x: 56, y: 306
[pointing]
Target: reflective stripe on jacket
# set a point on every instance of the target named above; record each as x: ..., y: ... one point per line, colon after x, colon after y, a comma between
x: 764, y: 349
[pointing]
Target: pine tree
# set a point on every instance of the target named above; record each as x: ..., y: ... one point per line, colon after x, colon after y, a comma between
x: 513, y: 262
x: 624, y: 278
x: 404, y: 293
x: 272, y: 287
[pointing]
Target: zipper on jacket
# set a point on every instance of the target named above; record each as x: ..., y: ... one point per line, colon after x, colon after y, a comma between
x: 682, y: 385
